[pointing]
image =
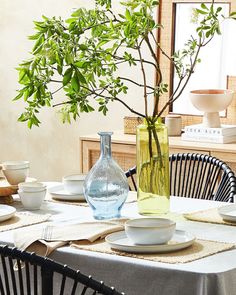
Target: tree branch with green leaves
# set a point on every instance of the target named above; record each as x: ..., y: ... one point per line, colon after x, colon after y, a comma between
x: 75, y: 62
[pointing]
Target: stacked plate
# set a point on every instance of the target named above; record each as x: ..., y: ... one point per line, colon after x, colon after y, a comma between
x: 59, y: 193
x: 6, y: 212
x: 228, y: 213
x: 180, y: 240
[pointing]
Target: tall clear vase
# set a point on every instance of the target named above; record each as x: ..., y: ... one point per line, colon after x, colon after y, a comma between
x: 106, y: 186
x: 153, y: 169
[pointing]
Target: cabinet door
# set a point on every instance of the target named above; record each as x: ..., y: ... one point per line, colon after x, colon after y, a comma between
x: 124, y: 154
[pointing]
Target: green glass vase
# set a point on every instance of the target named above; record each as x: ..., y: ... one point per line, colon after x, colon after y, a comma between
x: 152, y: 169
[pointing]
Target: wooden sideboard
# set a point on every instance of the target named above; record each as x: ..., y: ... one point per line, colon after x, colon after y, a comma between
x: 124, y: 150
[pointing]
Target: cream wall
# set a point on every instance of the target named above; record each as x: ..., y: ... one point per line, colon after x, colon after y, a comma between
x: 53, y: 148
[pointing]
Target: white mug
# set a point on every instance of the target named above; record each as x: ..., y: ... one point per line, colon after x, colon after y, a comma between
x: 174, y: 125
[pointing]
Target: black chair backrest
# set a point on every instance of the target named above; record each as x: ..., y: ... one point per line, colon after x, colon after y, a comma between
x: 24, y: 273
x: 198, y: 176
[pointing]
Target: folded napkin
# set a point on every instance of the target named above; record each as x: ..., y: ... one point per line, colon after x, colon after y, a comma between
x: 47, y: 238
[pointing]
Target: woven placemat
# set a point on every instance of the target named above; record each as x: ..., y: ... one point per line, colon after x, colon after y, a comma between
x: 22, y: 219
x: 210, y: 216
x: 199, y: 249
x: 132, y: 197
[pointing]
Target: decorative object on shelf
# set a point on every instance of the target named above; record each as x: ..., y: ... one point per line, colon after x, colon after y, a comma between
x: 82, y: 56
x: 131, y: 123
x: 153, y: 169
x: 211, y: 102
x: 173, y: 124
x: 106, y: 187
x: 197, y: 132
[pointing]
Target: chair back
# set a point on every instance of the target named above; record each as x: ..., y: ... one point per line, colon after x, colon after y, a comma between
x: 24, y: 273
x: 202, y: 177
x: 197, y: 176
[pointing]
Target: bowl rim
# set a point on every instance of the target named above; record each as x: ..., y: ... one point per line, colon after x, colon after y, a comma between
x: 81, y: 176
x: 14, y: 165
x: 32, y: 185
x: 171, y: 223
x: 212, y: 92
x: 31, y: 192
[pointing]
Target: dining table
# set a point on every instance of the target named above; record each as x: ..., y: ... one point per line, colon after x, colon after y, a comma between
x: 214, y: 274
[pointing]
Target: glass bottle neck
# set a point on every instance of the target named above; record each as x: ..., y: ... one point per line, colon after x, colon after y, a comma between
x: 105, y: 143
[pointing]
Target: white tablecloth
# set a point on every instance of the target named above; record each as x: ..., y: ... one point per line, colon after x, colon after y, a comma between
x: 213, y: 275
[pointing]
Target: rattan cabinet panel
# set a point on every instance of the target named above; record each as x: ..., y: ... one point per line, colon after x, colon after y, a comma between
x: 125, y: 155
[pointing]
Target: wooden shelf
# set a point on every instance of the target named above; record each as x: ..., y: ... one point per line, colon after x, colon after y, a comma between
x: 124, y: 150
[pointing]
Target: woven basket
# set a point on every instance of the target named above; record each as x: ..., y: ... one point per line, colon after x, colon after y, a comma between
x: 131, y: 123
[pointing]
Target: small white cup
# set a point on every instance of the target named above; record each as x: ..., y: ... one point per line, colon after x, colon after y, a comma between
x: 73, y: 184
x: 32, y: 200
x: 32, y: 186
x: 15, y: 171
x: 174, y: 124
x: 149, y: 231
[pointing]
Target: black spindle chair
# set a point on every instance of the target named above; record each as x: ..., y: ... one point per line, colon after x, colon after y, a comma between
x: 198, y: 176
x: 24, y: 273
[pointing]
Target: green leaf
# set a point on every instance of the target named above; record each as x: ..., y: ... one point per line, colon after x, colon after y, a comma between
x: 201, y: 11
x: 69, y: 58
x: 80, y: 64
x: 203, y: 6
x: 23, y: 76
x: 22, y: 118
x: 75, y: 83
x: 80, y: 77
x: 18, y: 96
x: 83, y: 47
x: 128, y: 15
x: 38, y: 44
x: 67, y: 76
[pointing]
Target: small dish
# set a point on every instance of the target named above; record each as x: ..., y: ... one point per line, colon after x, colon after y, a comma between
x: 228, y: 212
x: 148, y: 231
x: 6, y: 212
x: 179, y: 241
x: 59, y: 193
x: 74, y: 183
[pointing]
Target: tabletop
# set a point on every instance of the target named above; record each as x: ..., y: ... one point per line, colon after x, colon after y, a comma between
x: 214, y: 274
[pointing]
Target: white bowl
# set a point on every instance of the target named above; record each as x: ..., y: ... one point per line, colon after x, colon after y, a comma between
x: 32, y: 200
x: 15, y: 176
x: 15, y: 165
x: 74, y: 183
x: 32, y: 186
x: 211, y: 100
x: 149, y: 231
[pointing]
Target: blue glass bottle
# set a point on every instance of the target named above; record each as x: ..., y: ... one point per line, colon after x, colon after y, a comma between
x: 106, y: 186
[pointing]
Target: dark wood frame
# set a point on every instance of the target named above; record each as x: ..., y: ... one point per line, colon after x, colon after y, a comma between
x: 194, y: 119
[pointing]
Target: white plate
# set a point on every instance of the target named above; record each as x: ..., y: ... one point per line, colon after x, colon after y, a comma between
x: 59, y: 193
x: 6, y: 212
x: 180, y: 240
x: 228, y: 212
